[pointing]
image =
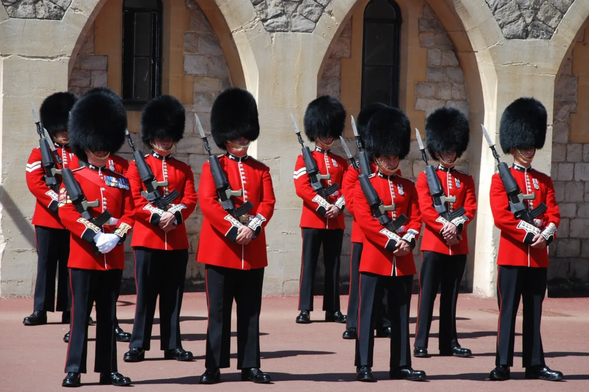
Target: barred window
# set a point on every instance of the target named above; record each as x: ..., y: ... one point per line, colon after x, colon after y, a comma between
x: 380, y: 57
x: 142, y: 51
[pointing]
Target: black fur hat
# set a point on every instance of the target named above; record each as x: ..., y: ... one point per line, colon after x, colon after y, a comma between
x: 102, y: 90
x: 365, y: 115
x: 446, y: 130
x: 55, y: 111
x: 163, y: 117
x: 388, y: 133
x: 523, y: 125
x: 324, y: 117
x: 97, y: 123
x: 234, y: 115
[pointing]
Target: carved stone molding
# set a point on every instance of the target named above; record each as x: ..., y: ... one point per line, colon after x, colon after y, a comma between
x: 299, y: 16
x: 36, y: 9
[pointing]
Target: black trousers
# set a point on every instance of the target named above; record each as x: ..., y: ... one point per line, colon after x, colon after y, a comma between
x: 53, y: 250
x: 380, y: 316
x: 530, y: 284
x: 245, y: 286
x: 103, y: 288
x: 398, y: 301
x: 446, y: 271
x: 159, y: 272
x: 332, y: 248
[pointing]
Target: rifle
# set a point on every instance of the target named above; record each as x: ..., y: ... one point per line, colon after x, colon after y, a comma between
x: 435, y: 188
x: 151, y: 194
x: 312, y: 170
x: 514, y: 194
x: 48, y: 154
x: 79, y: 201
x: 221, y: 183
x: 362, y: 156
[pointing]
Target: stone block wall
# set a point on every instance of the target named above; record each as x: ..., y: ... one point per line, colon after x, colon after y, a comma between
x: 89, y: 70
x: 568, y: 274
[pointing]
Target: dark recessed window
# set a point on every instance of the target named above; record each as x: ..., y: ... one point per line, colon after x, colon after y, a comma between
x: 142, y: 43
x: 380, y: 58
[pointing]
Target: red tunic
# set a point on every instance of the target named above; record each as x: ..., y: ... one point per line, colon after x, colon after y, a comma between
x: 454, y: 183
x: 112, y: 192
x: 348, y: 189
x: 46, y: 207
x: 326, y: 163
x: 376, y: 258
x: 117, y: 164
x: 512, y: 250
x: 215, y: 247
x: 146, y: 232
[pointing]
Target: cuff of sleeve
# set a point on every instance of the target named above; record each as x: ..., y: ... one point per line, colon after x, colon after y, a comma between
x: 340, y: 203
x: 548, y: 233
x: 410, y: 237
x: 459, y: 222
x: 122, y: 231
x: 176, y: 209
x: 90, y: 231
x: 231, y: 234
x: 393, y: 239
x: 443, y: 221
x: 156, y: 214
x: 323, y: 204
x: 256, y: 224
x: 531, y: 231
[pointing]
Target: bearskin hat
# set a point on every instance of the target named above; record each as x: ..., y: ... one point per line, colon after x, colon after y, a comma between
x: 523, y: 125
x: 55, y: 111
x: 234, y: 115
x: 446, y: 130
x: 324, y: 117
x: 102, y: 90
x: 388, y: 133
x: 163, y: 117
x: 365, y: 115
x: 97, y: 123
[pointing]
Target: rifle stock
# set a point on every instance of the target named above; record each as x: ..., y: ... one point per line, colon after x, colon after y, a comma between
x: 79, y: 200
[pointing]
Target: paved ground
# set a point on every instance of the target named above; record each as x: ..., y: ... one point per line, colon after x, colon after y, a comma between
x: 299, y: 357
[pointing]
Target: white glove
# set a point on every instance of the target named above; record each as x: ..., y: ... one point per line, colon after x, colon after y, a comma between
x: 105, y: 242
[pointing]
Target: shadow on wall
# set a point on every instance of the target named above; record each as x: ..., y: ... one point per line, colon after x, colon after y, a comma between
x: 23, y: 224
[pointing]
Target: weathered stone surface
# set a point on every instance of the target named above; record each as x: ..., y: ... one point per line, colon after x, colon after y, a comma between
x: 462, y: 106
x: 563, y: 228
x: 36, y: 9
x: 80, y: 77
x: 342, y: 48
x: 579, y: 270
x: 459, y: 92
x: 582, y: 172
x: 565, y: 171
x: 568, y: 248
x: 528, y: 19
x: 209, y: 44
x: 454, y: 74
x: 427, y: 39
x: 449, y: 58
x: 99, y: 79
x: 93, y: 62
x: 566, y: 88
x: 435, y: 74
x: 434, y: 57
x: 191, y: 42
x: 290, y: 15
x: 560, y: 132
x: 578, y: 228
x: 558, y: 189
x: 558, y: 153
x: 443, y: 41
x: 574, y: 191
x: 428, y: 105
x: 574, y: 152
x: 425, y: 90
x: 568, y: 210
x: 583, y: 210
x: 444, y: 91
x: 586, y: 152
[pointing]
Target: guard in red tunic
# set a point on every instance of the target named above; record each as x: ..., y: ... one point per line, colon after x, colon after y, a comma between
x: 232, y: 245
x: 53, y: 241
x: 349, y: 184
x: 119, y: 165
x: 444, y: 245
x: 322, y: 221
x: 387, y: 258
x: 159, y: 239
x: 523, y: 247
x: 97, y: 258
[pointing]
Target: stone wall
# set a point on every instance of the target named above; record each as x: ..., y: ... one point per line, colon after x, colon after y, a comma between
x: 528, y: 19
x: 569, y: 257
x: 89, y: 70
x: 299, y: 16
x: 36, y: 9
